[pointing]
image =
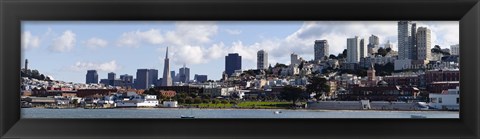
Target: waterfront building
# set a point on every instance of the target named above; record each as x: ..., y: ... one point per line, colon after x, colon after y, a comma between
x: 91, y: 77
x: 262, y: 59
x: 233, y: 62
x: 184, y: 74
x: 454, y: 49
x: 139, y: 101
x: 321, y: 49
x: 353, y: 50
x: 447, y: 100
x: 442, y: 75
x: 167, y: 78
x: 423, y: 44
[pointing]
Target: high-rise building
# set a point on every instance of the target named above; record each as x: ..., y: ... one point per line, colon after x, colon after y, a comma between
x: 91, y: 77
x: 454, y: 49
x: 294, y: 60
x: 413, y: 43
x: 423, y: 43
x: 389, y: 45
x: 373, y: 44
x: 111, y: 76
x: 26, y: 65
x: 320, y: 49
x: 262, y: 59
x: 406, y: 40
x: 167, y: 78
x: 172, y: 75
x: 353, y: 50
x: 142, y: 79
x: 363, y: 48
x: 233, y: 62
x: 201, y: 78
x: 127, y: 79
x: 152, y: 77
x: 184, y: 74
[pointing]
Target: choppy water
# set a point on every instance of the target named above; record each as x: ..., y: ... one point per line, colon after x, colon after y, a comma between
x: 224, y: 113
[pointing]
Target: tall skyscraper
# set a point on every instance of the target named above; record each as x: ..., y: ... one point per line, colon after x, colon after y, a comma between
x: 294, y: 60
x: 262, y: 59
x: 233, y: 62
x: 406, y: 40
x: 201, y: 78
x: 111, y: 76
x: 353, y: 50
x: 454, y: 49
x: 26, y: 65
x: 184, y: 74
x: 142, y: 79
x: 167, y: 78
x: 423, y: 43
x: 363, y: 48
x: 413, y: 43
x: 172, y: 75
x: 152, y: 77
x: 320, y: 49
x: 91, y: 77
x: 126, y: 78
x: 373, y: 44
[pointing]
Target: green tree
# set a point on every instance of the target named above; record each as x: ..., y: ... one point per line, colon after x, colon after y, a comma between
x: 206, y: 101
x: 197, y: 100
x: 317, y: 85
x: 332, y: 57
x: 381, y: 51
x: 291, y: 93
x: 181, y: 100
x: 215, y: 101
x: 224, y: 102
x: 189, y: 100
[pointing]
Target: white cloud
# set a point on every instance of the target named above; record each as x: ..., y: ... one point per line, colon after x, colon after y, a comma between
x: 64, y: 43
x: 233, y: 31
x: 185, y: 33
x: 96, y: 42
x: 30, y: 41
x: 136, y: 38
x: 110, y: 66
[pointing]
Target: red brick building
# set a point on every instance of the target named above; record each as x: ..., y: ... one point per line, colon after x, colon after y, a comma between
x: 442, y: 75
x: 90, y: 92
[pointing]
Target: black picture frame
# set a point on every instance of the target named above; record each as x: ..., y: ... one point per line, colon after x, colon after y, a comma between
x: 12, y: 12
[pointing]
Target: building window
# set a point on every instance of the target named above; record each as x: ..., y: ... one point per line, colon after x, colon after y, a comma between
x: 458, y: 100
x: 433, y: 100
x: 439, y: 100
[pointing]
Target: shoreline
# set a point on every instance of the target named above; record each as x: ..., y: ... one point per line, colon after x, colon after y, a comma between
x: 273, y: 109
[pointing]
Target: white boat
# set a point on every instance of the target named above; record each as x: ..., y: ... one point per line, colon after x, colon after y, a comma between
x: 277, y: 112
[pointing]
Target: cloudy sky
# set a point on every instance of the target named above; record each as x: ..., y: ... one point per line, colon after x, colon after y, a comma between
x: 66, y: 50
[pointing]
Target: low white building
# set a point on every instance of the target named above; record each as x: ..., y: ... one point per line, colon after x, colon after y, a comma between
x: 139, y: 101
x: 449, y: 100
x: 170, y: 104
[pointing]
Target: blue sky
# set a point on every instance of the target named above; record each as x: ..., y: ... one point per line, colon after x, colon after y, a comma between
x: 67, y: 49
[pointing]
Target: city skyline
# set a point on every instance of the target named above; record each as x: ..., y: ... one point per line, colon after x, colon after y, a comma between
x: 124, y: 47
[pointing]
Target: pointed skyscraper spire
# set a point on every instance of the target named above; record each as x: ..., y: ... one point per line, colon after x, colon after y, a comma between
x: 167, y: 79
x: 166, y: 54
